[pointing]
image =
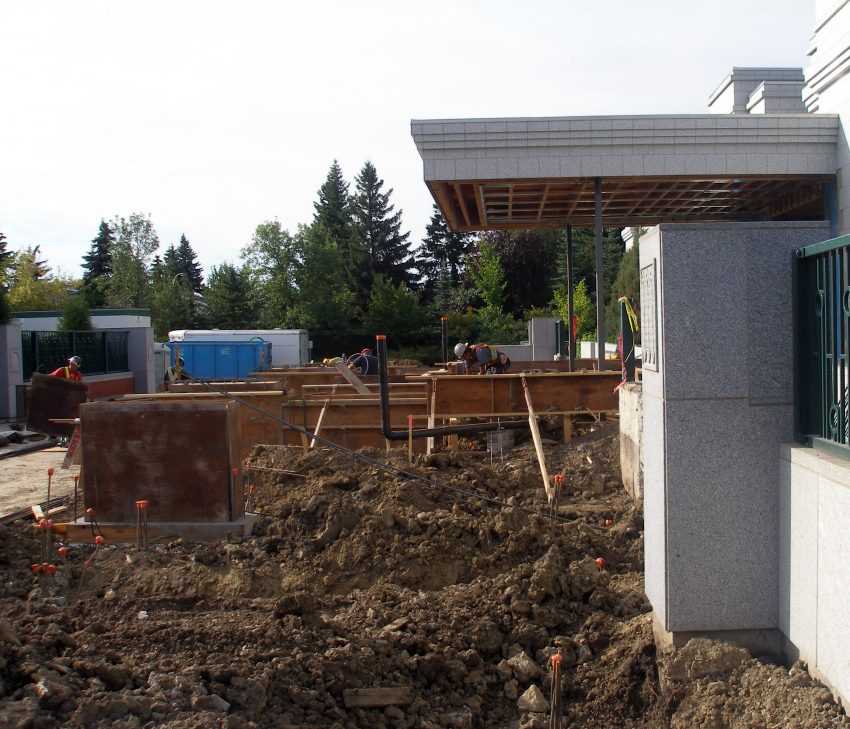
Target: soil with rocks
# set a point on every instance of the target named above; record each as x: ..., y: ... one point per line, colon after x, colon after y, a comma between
x: 378, y: 593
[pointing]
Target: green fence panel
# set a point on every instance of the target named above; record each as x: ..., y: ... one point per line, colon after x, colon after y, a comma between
x: 823, y: 335
x: 101, y: 352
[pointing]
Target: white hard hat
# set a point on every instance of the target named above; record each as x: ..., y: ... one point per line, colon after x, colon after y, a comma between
x: 74, y: 360
x: 460, y: 348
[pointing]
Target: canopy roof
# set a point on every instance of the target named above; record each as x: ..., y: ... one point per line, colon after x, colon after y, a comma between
x: 490, y: 174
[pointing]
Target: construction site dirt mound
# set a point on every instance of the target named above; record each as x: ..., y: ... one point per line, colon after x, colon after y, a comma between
x: 376, y: 592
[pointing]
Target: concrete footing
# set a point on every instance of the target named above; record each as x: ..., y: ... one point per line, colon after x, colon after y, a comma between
x: 83, y: 532
x: 759, y: 642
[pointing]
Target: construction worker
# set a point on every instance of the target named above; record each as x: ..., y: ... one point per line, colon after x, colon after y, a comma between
x: 71, y: 371
x: 176, y: 372
x: 482, y: 359
x: 365, y: 362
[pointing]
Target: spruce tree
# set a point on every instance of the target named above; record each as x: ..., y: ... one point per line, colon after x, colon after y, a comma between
x: 229, y: 297
x: 378, y: 234
x: 97, y: 266
x: 332, y: 207
x: 441, y: 247
x: 187, y: 264
x: 5, y: 260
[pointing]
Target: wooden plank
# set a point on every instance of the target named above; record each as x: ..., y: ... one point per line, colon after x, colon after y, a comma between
x: 74, y: 453
x: 318, y: 427
x: 538, y: 446
x: 370, y: 698
x: 353, y: 379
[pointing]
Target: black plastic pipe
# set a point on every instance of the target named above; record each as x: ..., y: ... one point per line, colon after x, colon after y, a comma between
x: 390, y: 434
x: 444, y: 332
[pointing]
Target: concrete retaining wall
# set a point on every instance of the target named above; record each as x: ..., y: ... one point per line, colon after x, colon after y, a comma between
x: 631, y: 426
x: 814, y: 561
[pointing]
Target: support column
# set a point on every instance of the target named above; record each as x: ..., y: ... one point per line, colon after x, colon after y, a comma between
x: 600, y: 276
x: 570, y: 307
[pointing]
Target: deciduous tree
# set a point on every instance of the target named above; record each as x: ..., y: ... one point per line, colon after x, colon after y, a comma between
x: 394, y: 311
x: 324, y: 300
x: 135, y: 243
x: 33, y: 288
x: 271, y: 259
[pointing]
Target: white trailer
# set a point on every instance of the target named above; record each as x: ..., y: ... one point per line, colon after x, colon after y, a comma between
x: 290, y: 347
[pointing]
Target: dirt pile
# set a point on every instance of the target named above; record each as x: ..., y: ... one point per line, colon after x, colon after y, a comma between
x: 421, y: 595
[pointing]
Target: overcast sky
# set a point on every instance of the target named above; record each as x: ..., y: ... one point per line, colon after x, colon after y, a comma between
x: 215, y: 116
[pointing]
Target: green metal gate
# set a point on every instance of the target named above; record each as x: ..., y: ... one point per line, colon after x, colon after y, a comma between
x: 823, y: 331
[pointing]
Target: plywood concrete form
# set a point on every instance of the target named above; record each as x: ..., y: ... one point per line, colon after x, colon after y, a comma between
x: 242, y: 386
x: 292, y: 380
x: 416, y: 387
x: 177, y: 455
x: 354, y: 423
x: 464, y: 395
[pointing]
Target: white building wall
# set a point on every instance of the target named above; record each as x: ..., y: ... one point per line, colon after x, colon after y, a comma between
x: 828, y: 88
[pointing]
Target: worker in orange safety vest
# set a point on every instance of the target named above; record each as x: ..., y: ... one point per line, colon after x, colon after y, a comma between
x: 71, y: 371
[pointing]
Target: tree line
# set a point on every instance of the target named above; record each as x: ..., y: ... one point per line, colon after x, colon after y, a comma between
x: 348, y: 274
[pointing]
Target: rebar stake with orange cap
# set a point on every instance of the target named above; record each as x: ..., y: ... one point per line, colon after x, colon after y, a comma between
x: 142, y: 524
x: 557, y: 485
x: 49, y: 479
x: 555, y: 707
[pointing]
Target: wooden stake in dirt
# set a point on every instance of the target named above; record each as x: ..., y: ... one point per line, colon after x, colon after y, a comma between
x: 410, y: 439
x: 319, y: 422
x: 538, y: 446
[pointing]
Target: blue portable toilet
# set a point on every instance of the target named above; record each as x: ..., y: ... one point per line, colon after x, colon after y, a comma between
x: 223, y: 360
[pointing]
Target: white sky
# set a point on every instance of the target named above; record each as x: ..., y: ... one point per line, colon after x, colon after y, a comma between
x: 215, y: 116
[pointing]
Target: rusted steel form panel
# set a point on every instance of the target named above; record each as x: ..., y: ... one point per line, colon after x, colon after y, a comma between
x: 353, y: 423
x: 258, y: 413
x: 176, y: 454
x: 461, y: 395
x: 54, y: 398
x: 250, y: 386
